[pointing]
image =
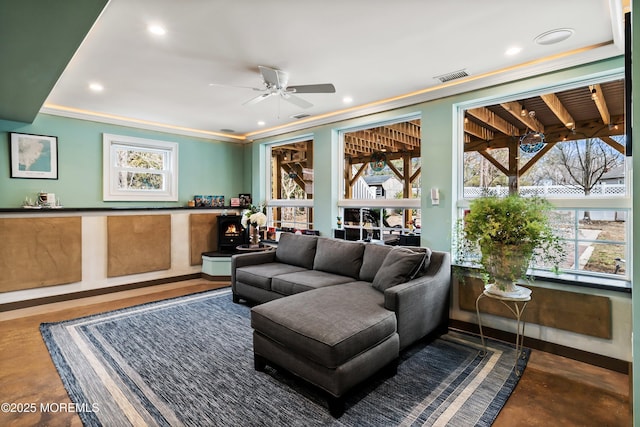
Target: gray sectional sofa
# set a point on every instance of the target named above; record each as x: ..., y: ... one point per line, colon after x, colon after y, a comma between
x: 335, y: 312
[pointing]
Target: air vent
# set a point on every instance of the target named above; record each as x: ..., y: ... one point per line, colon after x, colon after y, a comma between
x: 300, y: 116
x: 452, y: 76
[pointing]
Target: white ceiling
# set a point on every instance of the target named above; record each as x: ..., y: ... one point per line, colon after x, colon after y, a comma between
x: 371, y: 50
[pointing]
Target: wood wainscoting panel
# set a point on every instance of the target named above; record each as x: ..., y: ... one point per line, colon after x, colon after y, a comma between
x: 203, y: 235
x: 138, y: 244
x: 570, y: 311
x: 37, y: 252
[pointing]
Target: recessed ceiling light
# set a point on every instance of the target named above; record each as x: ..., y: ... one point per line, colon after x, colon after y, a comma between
x: 261, y: 123
x: 514, y: 50
x: 554, y: 36
x: 227, y: 130
x: 157, y: 30
x: 347, y: 100
x: 96, y: 87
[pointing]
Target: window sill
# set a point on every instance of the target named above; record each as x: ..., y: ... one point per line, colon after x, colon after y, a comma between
x: 585, y: 281
x: 578, y: 280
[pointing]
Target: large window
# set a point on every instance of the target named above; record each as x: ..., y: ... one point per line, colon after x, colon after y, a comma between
x: 290, y: 205
x: 137, y: 169
x: 385, y: 224
x: 381, y: 180
x: 567, y: 146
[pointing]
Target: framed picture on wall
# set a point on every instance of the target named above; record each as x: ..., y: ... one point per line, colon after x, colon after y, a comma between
x: 33, y: 156
x: 218, y: 201
x: 245, y: 199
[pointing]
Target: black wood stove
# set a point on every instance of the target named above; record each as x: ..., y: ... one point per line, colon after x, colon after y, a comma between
x: 231, y: 233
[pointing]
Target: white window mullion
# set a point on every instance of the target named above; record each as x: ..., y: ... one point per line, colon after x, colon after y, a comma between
x: 164, y: 175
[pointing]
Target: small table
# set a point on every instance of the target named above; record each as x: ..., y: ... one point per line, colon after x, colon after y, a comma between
x: 249, y: 248
x: 519, y: 305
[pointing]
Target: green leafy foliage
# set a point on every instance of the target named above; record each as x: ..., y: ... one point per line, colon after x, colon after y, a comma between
x: 509, y: 233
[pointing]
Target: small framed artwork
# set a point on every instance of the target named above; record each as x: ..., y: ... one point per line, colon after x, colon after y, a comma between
x: 218, y: 201
x: 203, y: 201
x: 235, y: 202
x: 34, y: 156
x: 245, y: 199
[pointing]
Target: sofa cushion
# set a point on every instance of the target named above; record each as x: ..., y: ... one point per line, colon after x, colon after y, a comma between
x: 339, y: 257
x: 293, y: 283
x: 328, y: 325
x: 296, y: 249
x: 399, y: 266
x: 372, y: 259
x: 260, y: 275
x: 427, y: 258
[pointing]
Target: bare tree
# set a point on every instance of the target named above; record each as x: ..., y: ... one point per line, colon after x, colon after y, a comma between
x: 586, y: 161
x: 479, y: 172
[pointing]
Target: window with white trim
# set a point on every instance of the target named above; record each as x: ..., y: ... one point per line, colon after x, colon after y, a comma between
x: 290, y: 202
x: 139, y: 169
x: 565, y: 144
x: 381, y: 172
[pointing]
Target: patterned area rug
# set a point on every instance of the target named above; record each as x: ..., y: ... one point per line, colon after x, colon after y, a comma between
x: 189, y: 361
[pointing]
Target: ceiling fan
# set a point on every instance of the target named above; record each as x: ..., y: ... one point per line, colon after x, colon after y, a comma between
x: 276, y: 84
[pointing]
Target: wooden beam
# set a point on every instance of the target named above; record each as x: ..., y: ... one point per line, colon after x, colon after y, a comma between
x: 515, y: 108
x: 492, y: 119
x: 388, y: 155
x: 348, y: 175
x: 406, y: 168
x: 601, y: 103
x: 395, y: 137
x: 276, y: 173
x: 297, y: 177
x: 524, y: 169
x: 557, y: 133
x: 494, y: 162
x: 514, y: 172
x: 395, y: 170
x: 360, y: 171
x: 416, y: 174
x: 478, y: 131
x: 556, y: 106
x: 613, y: 143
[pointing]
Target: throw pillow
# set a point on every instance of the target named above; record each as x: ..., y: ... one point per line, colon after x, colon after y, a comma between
x: 338, y: 257
x: 296, y: 249
x: 373, y: 258
x: 425, y: 262
x: 398, y: 267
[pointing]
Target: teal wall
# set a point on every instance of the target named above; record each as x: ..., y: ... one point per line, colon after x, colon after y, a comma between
x: 438, y: 150
x: 635, y: 247
x: 439, y: 154
x: 205, y: 166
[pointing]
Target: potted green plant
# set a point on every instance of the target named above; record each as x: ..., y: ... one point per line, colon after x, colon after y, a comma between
x: 509, y: 233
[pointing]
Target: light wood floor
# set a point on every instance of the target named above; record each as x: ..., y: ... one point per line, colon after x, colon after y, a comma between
x: 553, y: 390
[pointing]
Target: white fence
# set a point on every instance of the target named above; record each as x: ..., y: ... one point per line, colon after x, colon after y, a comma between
x: 361, y: 190
x: 548, y: 191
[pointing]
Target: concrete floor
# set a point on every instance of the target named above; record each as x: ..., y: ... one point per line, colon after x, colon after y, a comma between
x: 553, y: 390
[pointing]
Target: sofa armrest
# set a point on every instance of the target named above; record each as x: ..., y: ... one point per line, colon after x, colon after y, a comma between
x: 422, y: 304
x: 251, y: 258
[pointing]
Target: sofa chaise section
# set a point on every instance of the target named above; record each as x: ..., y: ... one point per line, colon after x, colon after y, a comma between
x: 335, y: 312
x: 333, y: 337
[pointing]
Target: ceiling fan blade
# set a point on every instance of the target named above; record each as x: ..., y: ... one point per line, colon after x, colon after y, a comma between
x: 257, y: 99
x: 237, y: 87
x: 296, y: 100
x: 274, y: 77
x: 318, y: 88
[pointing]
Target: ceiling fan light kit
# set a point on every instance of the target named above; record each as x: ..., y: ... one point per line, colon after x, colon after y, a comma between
x: 276, y: 83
